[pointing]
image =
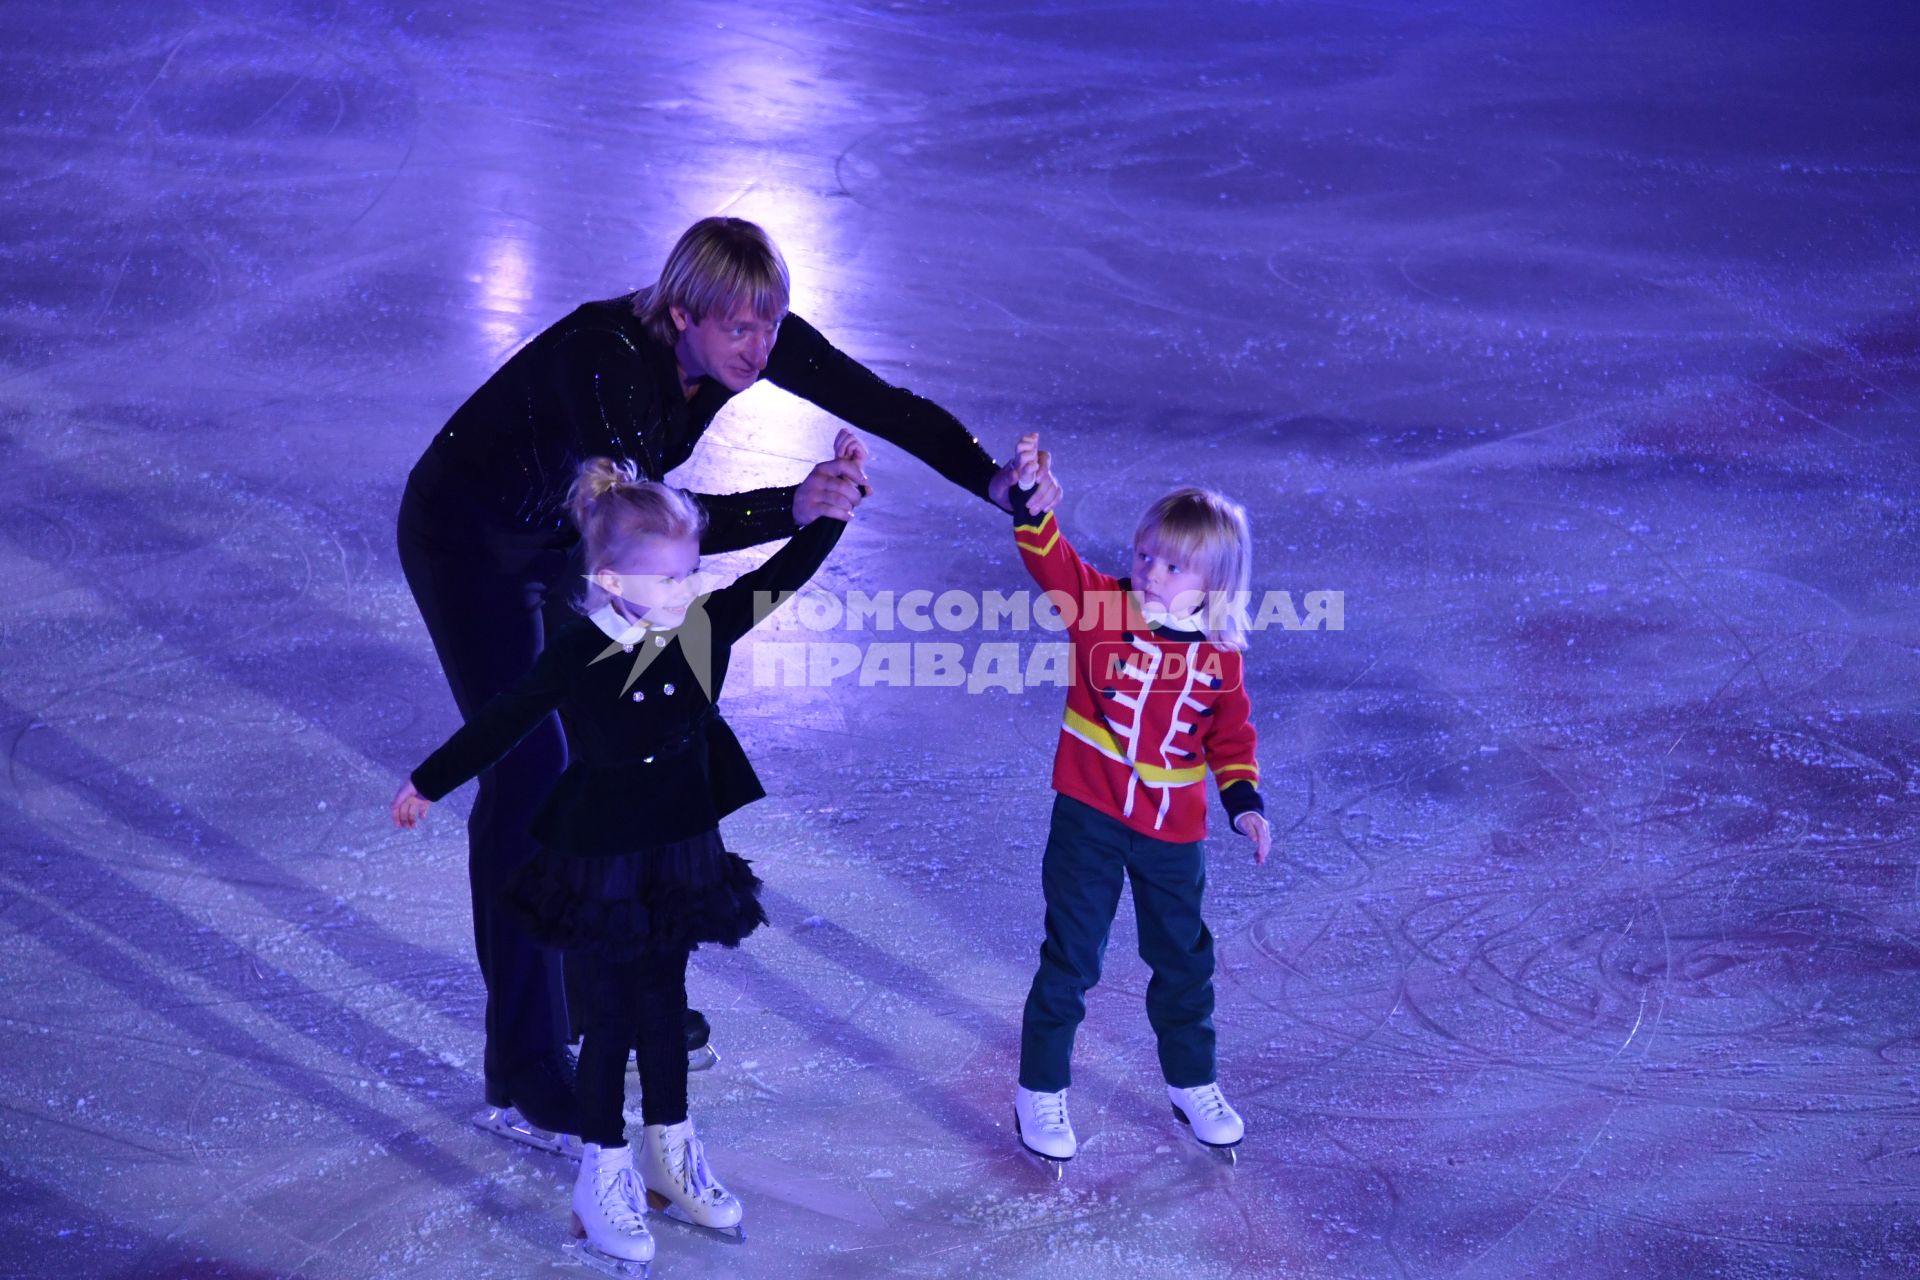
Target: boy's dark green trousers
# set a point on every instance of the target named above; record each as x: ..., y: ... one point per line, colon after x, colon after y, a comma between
x: 1088, y: 855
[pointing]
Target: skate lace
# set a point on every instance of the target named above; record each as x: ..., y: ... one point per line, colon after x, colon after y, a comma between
x: 691, y: 1172
x: 1210, y: 1102
x: 1050, y: 1110
x: 618, y: 1194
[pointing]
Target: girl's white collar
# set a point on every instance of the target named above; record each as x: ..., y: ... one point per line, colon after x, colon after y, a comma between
x: 616, y: 626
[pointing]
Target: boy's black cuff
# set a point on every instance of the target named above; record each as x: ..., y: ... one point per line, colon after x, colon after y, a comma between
x: 1241, y: 796
x: 1023, y: 516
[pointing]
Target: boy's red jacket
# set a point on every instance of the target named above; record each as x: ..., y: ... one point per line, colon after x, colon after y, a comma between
x: 1150, y: 708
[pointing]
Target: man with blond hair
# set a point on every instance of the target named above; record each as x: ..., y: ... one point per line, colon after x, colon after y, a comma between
x: 487, y: 548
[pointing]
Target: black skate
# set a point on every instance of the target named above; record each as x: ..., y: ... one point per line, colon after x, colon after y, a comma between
x: 701, y: 1055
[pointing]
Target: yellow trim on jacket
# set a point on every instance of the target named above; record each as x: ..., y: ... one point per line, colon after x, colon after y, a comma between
x: 1101, y: 739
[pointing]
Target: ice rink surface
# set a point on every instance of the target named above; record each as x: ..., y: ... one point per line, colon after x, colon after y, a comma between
x: 1577, y: 345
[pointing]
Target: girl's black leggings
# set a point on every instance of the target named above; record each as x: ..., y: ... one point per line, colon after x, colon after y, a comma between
x: 638, y: 1004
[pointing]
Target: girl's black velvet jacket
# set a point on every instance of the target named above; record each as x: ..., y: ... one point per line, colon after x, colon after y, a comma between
x: 651, y: 759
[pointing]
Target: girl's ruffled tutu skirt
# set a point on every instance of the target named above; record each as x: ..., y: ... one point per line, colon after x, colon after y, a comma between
x: 659, y: 898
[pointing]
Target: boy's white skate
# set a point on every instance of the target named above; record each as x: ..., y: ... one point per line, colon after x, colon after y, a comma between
x: 673, y: 1165
x: 1040, y: 1120
x: 509, y: 1123
x: 609, y: 1216
x: 1215, y: 1124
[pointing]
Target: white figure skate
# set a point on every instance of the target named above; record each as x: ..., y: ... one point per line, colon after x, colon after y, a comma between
x: 673, y: 1165
x: 609, y: 1217
x: 1040, y: 1120
x: 1214, y: 1124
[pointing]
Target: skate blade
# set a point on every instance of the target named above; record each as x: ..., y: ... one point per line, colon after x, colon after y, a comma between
x: 582, y: 1254
x: 1045, y: 1163
x: 1056, y: 1165
x: 1226, y: 1152
x: 735, y: 1234
x: 506, y: 1122
x: 705, y: 1058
